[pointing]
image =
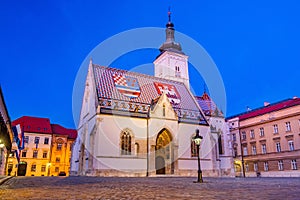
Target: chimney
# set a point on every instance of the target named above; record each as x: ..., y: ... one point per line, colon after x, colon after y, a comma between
x: 266, y: 103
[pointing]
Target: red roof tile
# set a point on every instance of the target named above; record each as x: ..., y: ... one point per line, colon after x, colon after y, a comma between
x: 34, y: 124
x: 268, y: 109
x: 58, y: 129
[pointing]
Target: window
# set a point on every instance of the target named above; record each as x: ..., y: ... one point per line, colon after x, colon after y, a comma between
x: 46, y: 140
x: 252, y: 134
x: 56, y: 169
x: 278, y: 148
x: 235, y: 152
x: 234, y: 137
x: 164, y: 110
x: 243, y: 135
x: 255, y: 167
x: 36, y: 140
x: 266, y: 166
x: 261, y: 132
x: 247, y: 167
x: 177, y: 71
x: 263, y: 149
x: 275, y: 127
x: 35, y: 154
x: 288, y: 126
x: 26, y: 139
x: 43, y: 168
x: 245, y: 151
x: 45, y: 154
x: 291, y: 145
x: 253, y: 150
x: 33, y: 167
x: 126, y: 143
x: 280, y: 165
x: 294, y: 164
x: 24, y: 153
x: 57, y: 159
x: 59, y: 146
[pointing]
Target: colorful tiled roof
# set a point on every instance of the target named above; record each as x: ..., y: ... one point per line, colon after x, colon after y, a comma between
x: 130, y: 91
x: 208, y: 106
x: 268, y: 109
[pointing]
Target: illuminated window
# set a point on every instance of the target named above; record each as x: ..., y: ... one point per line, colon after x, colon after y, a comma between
x: 46, y: 140
x: 24, y: 152
x: 33, y: 167
x: 35, y: 154
x: 59, y: 146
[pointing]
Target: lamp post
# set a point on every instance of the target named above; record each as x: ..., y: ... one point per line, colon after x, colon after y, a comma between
x: 197, y: 139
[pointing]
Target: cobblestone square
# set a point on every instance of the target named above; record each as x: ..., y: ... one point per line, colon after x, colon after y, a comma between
x: 149, y: 188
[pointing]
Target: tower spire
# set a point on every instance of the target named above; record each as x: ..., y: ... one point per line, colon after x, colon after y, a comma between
x: 170, y: 44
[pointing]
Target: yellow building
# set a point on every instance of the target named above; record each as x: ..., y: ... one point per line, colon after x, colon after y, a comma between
x: 40, y: 138
x: 61, y: 150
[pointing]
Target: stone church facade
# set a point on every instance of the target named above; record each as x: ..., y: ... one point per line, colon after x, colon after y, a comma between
x: 134, y: 124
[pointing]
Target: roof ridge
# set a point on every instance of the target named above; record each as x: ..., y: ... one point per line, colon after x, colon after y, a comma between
x: 261, y: 107
x: 137, y: 73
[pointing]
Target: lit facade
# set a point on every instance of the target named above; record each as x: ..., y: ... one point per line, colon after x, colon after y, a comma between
x: 266, y: 141
x: 39, y: 138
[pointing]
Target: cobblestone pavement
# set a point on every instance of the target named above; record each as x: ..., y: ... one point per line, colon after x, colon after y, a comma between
x: 149, y: 188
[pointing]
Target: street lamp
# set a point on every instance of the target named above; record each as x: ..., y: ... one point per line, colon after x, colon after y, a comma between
x: 197, y: 139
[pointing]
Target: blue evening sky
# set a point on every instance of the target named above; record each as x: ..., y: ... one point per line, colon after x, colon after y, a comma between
x: 255, y: 45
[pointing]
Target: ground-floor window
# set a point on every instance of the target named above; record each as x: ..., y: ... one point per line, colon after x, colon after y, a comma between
x: 266, y: 166
x: 294, y: 164
x: 33, y: 167
x: 280, y: 165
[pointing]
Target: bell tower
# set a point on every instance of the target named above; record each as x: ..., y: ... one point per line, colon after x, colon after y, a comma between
x: 171, y: 63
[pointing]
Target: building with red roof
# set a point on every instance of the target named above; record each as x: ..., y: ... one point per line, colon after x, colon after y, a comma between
x: 47, y: 148
x: 266, y: 140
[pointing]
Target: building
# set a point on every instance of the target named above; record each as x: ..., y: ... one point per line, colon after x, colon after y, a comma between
x: 134, y: 124
x: 6, y: 134
x: 266, y: 141
x: 61, y: 149
x: 221, y: 138
x: 40, y: 146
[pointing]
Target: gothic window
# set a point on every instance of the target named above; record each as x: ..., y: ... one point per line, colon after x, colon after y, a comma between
x: 136, y: 148
x: 164, y: 110
x: 177, y: 71
x: 126, y: 140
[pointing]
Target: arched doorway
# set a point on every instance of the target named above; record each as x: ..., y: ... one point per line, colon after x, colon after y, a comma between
x: 22, y: 166
x: 164, y: 153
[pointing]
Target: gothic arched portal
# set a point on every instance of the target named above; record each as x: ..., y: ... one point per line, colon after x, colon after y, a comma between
x: 164, y: 153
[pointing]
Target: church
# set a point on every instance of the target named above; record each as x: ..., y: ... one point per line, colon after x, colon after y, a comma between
x: 134, y: 124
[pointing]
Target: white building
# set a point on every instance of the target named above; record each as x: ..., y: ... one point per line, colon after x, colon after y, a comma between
x: 133, y: 124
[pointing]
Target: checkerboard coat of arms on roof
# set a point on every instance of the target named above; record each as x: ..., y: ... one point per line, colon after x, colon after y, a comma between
x: 127, y: 85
